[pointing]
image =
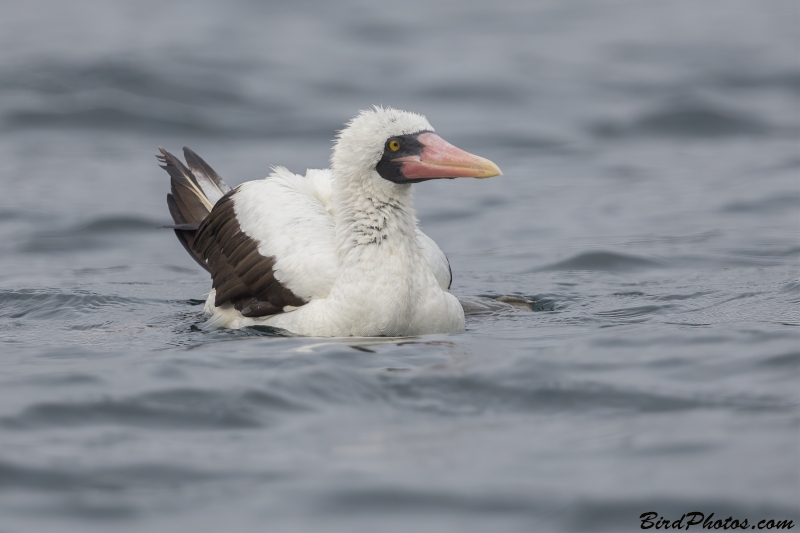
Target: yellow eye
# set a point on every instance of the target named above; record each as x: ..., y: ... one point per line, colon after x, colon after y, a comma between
x: 394, y: 145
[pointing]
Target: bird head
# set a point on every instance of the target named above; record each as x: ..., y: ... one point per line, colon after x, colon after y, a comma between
x: 401, y: 147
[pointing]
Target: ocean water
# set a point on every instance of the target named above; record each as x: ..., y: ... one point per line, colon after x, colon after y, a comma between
x: 649, y: 214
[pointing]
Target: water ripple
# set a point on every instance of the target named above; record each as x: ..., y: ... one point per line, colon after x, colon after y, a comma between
x: 685, y: 120
x: 100, y: 233
x: 605, y: 261
x: 184, y: 408
x: 48, y: 304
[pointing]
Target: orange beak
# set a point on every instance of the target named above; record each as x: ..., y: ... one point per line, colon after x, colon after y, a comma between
x: 440, y: 159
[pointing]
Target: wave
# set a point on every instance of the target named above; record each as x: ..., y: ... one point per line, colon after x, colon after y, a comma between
x: 508, y: 390
x: 633, y: 314
x: 7, y: 214
x: 48, y: 304
x: 64, y: 479
x: 176, y: 97
x: 770, y: 204
x: 787, y: 80
x: 521, y: 141
x: 98, y: 233
x: 686, y: 120
x: 790, y: 361
x: 603, y: 261
x: 476, y: 91
x: 179, y: 83
x: 792, y: 287
x: 523, y: 390
x: 184, y: 408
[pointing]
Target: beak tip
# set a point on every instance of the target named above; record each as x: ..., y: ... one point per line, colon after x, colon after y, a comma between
x: 493, y: 170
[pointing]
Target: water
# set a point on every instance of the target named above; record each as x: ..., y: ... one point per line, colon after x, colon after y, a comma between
x: 649, y: 209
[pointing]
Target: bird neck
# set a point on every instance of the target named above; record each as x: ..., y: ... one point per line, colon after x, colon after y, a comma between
x: 374, y: 219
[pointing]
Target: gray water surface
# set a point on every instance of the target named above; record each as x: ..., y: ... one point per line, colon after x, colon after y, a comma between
x: 649, y: 209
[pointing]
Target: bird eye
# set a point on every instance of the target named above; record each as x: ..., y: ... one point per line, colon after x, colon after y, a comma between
x: 394, y: 145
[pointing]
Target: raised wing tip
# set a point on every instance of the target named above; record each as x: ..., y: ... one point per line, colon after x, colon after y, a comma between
x: 163, y: 155
x: 189, y: 226
x: 188, y: 154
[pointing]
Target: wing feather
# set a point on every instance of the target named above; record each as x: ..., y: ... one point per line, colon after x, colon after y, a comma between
x: 288, y: 215
x: 268, y: 244
x: 437, y: 260
x: 205, y: 177
x: 193, y: 195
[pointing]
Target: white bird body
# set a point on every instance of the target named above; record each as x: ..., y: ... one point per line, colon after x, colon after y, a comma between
x: 339, y: 251
x: 294, y: 219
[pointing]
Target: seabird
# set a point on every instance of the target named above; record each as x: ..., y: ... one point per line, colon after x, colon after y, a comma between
x: 334, y: 253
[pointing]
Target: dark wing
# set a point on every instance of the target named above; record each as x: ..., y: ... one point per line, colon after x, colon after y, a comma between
x: 206, y: 178
x: 194, y: 191
x: 240, y: 274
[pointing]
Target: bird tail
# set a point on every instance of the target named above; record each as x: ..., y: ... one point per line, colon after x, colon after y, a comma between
x: 195, y: 190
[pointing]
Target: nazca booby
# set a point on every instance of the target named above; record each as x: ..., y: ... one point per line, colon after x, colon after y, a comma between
x: 336, y: 252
